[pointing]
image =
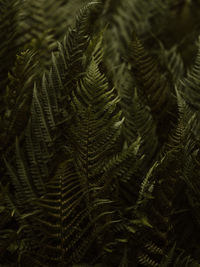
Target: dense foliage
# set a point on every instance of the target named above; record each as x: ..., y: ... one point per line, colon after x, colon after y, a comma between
x: 99, y: 136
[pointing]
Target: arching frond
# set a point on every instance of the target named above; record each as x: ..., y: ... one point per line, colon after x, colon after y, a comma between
x: 65, y: 221
x: 95, y: 130
x: 190, y: 84
x: 124, y: 16
x: 156, y: 89
x: 174, y: 64
x: 139, y: 121
x: 19, y: 95
x: 9, y: 31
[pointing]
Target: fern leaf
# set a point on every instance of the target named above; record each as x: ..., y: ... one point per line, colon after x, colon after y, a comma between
x: 9, y: 42
x: 190, y: 85
x: 19, y: 94
x: 96, y: 111
x: 68, y: 229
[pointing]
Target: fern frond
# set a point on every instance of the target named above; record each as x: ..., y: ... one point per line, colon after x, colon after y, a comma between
x: 97, y: 115
x: 168, y: 258
x: 124, y: 16
x: 21, y: 179
x: 156, y: 89
x: 30, y: 168
x: 190, y: 85
x: 174, y: 63
x: 19, y: 95
x: 139, y: 121
x: 73, y: 47
x: 157, y: 195
x: 147, y: 261
x: 43, y: 23
x: 9, y: 18
x: 115, y: 164
x: 186, y: 261
x: 65, y: 222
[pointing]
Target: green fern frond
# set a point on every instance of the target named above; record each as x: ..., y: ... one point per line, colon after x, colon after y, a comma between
x: 21, y: 179
x: 74, y: 46
x: 157, y: 193
x: 65, y: 222
x: 39, y: 16
x: 146, y: 261
x: 186, y: 261
x: 9, y: 18
x: 190, y: 84
x: 95, y: 131
x: 154, y: 87
x: 30, y: 167
x: 174, y: 63
x: 19, y: 95
x: 139, y: 121
x: 120, y: 164
x: 39, y: 112
x: 43, y: 45
x: 168, y: 258
x: 22, y: 73
x: 43, y: 23
x: 123, y: 17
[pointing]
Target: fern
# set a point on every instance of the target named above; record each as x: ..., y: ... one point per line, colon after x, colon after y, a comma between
x: 154, y: 86
x: 99, y: 135
x: 67, y: 225
x: 175, y: 64
x: 18, y: 98
x: 9, y: 17
x: 189, y: 89
x: 123, y: 18
x: 139, y: 122
x: 96, y: 122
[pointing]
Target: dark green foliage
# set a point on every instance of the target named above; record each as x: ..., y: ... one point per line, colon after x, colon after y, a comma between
x: 99, y: 135
x: 9, y: 37
x: 155, y: 87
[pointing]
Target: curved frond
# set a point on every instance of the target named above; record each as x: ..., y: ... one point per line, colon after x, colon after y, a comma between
x: 190, y: 85
x: 97, y: 125
x: 9, y: 21
x: 139, y: 121
x: 154, y: 87
x: 19, y: 95
x: 65, y: 221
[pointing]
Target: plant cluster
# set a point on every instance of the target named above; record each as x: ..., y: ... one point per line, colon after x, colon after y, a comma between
x: 99, y: 136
